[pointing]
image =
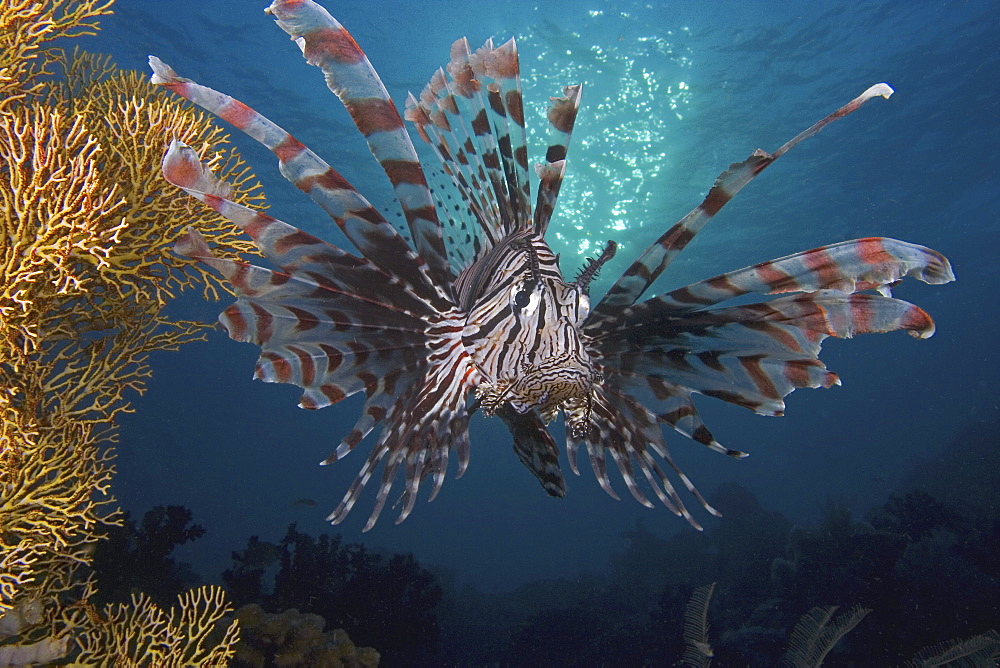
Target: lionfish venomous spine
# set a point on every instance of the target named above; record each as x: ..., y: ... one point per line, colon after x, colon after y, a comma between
x: 476, y: 314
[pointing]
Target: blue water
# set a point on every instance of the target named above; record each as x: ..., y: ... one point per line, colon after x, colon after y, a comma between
x: 674, y: 92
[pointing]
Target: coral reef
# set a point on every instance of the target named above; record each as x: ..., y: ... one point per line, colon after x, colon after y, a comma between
x: 85, y: 226
x: 926, y: 569
x: 386, y: 602
x: 136, y: 557
x: 195, y: 633
x: 291, y: 638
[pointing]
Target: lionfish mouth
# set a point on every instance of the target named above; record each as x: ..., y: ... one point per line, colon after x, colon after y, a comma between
x: 547, y: 386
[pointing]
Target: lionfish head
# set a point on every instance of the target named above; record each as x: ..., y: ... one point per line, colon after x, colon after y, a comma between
x: 523, y: 332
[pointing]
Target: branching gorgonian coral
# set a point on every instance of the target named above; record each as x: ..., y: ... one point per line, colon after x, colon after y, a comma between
x: 86, y: 224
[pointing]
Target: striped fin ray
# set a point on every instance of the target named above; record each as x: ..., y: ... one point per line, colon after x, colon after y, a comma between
x: 335, y: 333
x: 428, y: 418
x: 562, y: 117
x: 847, y: 267
x: 326, y: 44
x: 750, y: 355
x: 327, y: 343
x: 641, y: 274
x: 673, y: 405
x: 874, y: 263
x: 331, y: 347
x: 471, y: 106
x: 535, y: 447
x: 631, y: 435
x: 440, y: 116
x: 452, y: 116
x: 363, y: 225
x: 293, y: 250
x: 506, y: 115
x: 456, y: 150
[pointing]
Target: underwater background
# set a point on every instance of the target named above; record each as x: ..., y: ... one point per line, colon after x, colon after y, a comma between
x: 673, y: 93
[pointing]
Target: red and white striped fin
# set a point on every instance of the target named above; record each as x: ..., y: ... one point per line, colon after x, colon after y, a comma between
x: 452, y: 115
x: 428, y: 417
x: 874, y: 263
x: 336, y: 325
x: 326, y: 44
x: 296, y: 251
x: 444, y: 119
x: 672, y: 404
x: 330, y: 343
x: 363, y: 225
x: 562, y: 116
x: 750, y: 355
x: 638, y: 277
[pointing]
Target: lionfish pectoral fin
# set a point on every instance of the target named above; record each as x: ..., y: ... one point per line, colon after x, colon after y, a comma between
x: 535, y: 448
x: 630, y: 434
x: 644, y: 271
x: 423, y: 417
x: 182, y: 168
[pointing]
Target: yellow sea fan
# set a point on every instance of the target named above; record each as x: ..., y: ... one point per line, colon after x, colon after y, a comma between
x: 25, y: 27
x: 142, y: 634
x: 134, y: 122
x: 60, y: 216
x: 86, y: 229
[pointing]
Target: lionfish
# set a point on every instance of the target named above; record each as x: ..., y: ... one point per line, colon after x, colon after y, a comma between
x: 475, y: 314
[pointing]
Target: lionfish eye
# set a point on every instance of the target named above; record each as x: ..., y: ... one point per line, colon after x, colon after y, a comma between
x: 524, y: 298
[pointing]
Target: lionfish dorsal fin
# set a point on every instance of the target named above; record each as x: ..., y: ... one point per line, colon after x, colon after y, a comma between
x: 472, y: 116
x: 451, y: 115
x: 506, y: 112
x: 561, y: 117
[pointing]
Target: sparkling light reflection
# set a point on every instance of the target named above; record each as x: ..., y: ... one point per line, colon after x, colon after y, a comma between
x: 634, y: 97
